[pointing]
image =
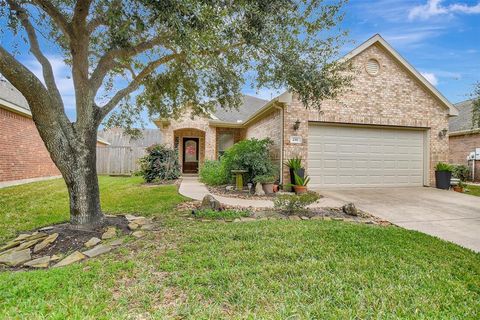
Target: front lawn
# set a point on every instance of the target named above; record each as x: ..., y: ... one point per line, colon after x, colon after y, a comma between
x: 473, y: 190
x: 276, y: 269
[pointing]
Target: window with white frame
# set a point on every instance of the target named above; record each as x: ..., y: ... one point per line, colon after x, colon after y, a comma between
x: 225, y: 141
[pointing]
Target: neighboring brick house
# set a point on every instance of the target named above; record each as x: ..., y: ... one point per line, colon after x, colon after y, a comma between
x: 23, y: 155
x: 464, y: 137
x: 387, y: 129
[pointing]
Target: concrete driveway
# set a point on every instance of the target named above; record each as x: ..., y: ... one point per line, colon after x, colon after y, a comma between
x: 446, y: 214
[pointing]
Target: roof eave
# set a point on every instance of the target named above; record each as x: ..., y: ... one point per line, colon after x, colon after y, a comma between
x: 14, y: 108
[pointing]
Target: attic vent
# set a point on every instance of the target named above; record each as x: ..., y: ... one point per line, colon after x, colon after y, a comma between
x: 373, y: 67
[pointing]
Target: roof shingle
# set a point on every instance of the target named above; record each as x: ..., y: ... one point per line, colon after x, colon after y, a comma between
x: 462, y: 122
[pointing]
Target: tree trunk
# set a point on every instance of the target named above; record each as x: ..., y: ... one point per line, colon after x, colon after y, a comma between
x: 80, y: 175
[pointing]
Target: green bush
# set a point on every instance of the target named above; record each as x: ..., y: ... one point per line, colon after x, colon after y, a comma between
x: 264, y: 179
x: 161, y: 163
x: 212, y: 173
x: 225, y: 214
x: 442, y: 166
x: 461, y: 172
x: 292, y: 203
x: 251, y: 155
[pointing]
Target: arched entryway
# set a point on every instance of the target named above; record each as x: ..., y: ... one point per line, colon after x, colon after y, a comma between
x: 190, y: 144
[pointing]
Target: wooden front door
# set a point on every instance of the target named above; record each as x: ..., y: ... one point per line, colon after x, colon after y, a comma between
x: 190, y: 155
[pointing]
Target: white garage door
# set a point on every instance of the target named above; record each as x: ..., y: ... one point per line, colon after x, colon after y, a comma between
x: 343, y: 156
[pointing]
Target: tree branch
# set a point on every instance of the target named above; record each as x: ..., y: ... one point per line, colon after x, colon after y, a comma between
x: 58, y: 18
x: 47, y: 70
x: 107, y: 62
x: 135, y: 83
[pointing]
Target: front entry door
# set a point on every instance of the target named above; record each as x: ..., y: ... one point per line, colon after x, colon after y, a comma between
x: 190, y: 155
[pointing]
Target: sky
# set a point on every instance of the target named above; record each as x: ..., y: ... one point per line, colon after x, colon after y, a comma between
x: 440, y: 38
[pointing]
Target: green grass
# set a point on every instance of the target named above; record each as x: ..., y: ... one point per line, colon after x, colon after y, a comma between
x: 473, y: 190
x: 40, y: 204
x: 225, y: 214
x: 256, y: 270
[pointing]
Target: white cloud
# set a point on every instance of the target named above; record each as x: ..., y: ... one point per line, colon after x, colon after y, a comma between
x: 435, y: 8
x: 431, y: 77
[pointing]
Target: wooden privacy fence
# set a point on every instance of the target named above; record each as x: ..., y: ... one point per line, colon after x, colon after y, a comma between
x: 119, y: 160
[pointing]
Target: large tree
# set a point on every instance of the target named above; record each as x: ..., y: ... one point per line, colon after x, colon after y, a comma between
x: 169, y: 53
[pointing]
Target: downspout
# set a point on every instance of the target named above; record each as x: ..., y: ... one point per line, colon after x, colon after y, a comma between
x: 281, y: 109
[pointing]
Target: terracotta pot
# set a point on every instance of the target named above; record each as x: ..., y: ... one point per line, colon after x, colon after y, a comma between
x: 267, y: 187
x: 458, y: 189
x: 300, y: 189
x: 275, y: 188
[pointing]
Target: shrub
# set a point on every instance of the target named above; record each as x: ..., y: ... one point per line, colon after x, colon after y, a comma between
x: 264, y: 179
x: 292, y: 203
x: 461, y: 172
x: 251, y: 155
x: 225, y: 214
x: 294, y: 163
x: 212, y: 173
x: 442, y: 166
x: 161, y: 163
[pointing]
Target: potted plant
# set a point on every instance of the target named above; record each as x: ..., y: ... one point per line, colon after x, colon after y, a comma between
x: 443, y: 174
x: 295, y: 166
x: 267, y: 182
x: 300, y: 185
x: 459, y: 187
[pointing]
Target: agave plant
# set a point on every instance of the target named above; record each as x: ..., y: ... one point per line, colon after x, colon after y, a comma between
x: 299, y: 181
x: 294, y: 163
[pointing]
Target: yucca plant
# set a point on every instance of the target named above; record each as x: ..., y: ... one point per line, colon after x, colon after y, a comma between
x: 301, y: 181
x: 294, y: 163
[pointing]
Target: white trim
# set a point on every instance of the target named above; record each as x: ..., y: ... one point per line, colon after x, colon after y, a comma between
x: 378, y: 39
x: 464, y: 132
x: 14, y: 108
x: 101, y: 140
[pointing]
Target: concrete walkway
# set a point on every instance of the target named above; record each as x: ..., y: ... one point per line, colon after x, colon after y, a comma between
x: 194, y: 189
x: 5, y: 184
x: 449, y: 215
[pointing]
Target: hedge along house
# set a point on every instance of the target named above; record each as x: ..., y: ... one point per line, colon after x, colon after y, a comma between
x: 388, y: 129
x: 23, y: 155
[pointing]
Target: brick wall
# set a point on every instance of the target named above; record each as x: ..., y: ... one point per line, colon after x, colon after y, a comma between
x: 22, y: 152
x: 460, y: 148
x: 268, y: 126
x: 392, y: 97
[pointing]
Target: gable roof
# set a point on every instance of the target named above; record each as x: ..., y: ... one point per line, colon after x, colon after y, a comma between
x: 249, y: 106
x: 377, y: 39
x: 12, y: 99
x: 462, y: 122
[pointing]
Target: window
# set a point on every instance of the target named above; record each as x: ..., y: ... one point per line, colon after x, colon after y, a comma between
x: 225, y: 141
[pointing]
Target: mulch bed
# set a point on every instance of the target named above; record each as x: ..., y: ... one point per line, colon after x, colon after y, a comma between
x: 71, y: 239
x: 244, y: 194
x: 163, y: 183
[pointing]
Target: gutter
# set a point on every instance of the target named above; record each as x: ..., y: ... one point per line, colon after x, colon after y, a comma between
x: 464, y: 132
x: 14, y: 108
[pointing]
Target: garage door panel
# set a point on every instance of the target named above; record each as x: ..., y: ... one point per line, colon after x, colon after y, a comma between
x: 341, y: 156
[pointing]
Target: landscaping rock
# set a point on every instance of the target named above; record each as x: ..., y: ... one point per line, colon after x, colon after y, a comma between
x: 36, y: 235
x: 16, y: 257
x: 304, y: 218
x: 209, y: 202
x: 259, y: 190
x: 46, y: 242
x: 98, y: 250
x: 92, y: 242
x: 247, y: 219
x: 142, y: 221
x: 130, y: 217
x: 46, y: 228
x: 55, y: 257
x: 237, y: 220
x: 148, y: 226
x: 28, y: 244
x: 110, y: 233
x: 116, y: 242
x: 229, y: 188
x: 133, y: 226
x: 74, y: 257
x: 294, y: 218
x: 10, y: 245
x: 138, y: 234
x: 350, y: 209
x: 316, y: 218
x: 38, y: 263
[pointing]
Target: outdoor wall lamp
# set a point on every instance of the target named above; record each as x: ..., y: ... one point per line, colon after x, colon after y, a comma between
x: 442, y: 133
x: 296, y: 125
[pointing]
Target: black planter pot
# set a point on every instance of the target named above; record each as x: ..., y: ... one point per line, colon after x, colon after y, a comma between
x: 300, y: 172
x: 442, y: 179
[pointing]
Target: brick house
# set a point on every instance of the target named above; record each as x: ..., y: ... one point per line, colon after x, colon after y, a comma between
x: 23, y: 156
x: 464, y: 138
x: 387, y: 129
